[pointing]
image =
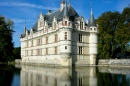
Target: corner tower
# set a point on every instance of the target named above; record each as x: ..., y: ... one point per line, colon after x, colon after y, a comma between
x: 65, y: 37
x: 92, y: 39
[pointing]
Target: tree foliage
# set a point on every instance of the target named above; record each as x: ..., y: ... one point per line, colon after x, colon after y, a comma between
x: 16, y: 52
x: 114, y: 30
x: 6, y: 44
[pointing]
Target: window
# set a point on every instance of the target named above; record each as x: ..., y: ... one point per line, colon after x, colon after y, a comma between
x: 46, y: 79
x: 80, y: 82
x: 65, y: 47
x: 69, y: 23
x: 39, y: 51
x: 94, y: 28
x: 27, y: 44
x: 65, y: 35
x: 80, y: 50
x: 55, y: 82
x: 46, y: 40
x: 41, y: 24
x: 31, y: 52
x: 27, y: 53
x: 31, y: 43
x: 56, y: 38
x: 81, y: 25
x: 65, y: 22
x: 39, y: 77
x: 38, y: 42
x: 46, y: 51
x: 80, y: 38
x: 90, y: 28
x: 55, y: 50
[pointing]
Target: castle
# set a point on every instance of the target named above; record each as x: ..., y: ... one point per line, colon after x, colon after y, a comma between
x: 60, y: 38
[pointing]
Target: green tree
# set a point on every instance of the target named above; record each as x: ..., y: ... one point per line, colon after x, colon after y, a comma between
x: 122, y: 36
x: 107, y: 25
x: 114, y: 30
x: 6, y: 44
x: 16, y: 52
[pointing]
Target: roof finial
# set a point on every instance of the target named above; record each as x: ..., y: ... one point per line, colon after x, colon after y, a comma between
x: 91, y: 7
x: 25, y: 26
x: 25, y: 23
x: 91, y: 21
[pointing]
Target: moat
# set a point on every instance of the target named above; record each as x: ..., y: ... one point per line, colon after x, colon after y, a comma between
x: 48, y: 76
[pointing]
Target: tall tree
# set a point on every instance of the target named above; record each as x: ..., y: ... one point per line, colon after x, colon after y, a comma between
x: 6, y: 44
x: 122, y: 36
x: 107, y: 25
x: 17, y: 52
x: 114, y: 30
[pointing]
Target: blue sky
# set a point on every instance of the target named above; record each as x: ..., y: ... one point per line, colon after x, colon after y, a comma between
x: 19, y: 10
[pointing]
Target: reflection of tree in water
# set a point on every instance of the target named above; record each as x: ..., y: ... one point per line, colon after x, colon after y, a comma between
x: 6, y: 75
x: 108, y: 79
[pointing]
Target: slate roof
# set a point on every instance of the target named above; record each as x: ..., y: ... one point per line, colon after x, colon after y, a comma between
x: 68, y: 11
x: 92, y: 21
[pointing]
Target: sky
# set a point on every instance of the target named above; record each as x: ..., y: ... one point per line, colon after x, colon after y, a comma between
x: 20, y: 10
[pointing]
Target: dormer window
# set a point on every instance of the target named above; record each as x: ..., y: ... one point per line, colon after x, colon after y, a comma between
x: 81, y: 25
x: 65, y: 22
x: 40, y: 24
x: 54, y: 25
x: 69, y: 23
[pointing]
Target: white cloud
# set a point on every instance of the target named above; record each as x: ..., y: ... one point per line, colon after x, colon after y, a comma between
x: 17, y: 4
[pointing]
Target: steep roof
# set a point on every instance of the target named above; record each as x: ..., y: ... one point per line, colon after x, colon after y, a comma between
x: 92, y: 20
x: 68, y: 11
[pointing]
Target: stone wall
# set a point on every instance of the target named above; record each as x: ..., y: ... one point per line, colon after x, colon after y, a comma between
x: 114, y: 62
x: 114, y: 70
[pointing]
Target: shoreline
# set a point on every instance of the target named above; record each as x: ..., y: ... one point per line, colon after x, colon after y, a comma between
x: 115, y: 63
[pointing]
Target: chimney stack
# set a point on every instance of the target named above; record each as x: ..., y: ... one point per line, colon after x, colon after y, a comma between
x: 62, y: 5
x: 49, y: 11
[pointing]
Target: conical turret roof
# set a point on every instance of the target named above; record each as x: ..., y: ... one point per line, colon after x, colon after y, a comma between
x: 92, y: 20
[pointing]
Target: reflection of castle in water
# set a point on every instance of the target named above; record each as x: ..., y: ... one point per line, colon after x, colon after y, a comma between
x: 39, y: 76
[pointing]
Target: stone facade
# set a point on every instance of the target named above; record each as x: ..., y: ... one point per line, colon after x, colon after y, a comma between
x: 61, y: 38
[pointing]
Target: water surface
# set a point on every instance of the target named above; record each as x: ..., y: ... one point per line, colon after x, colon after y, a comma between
x: 47, y: 76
